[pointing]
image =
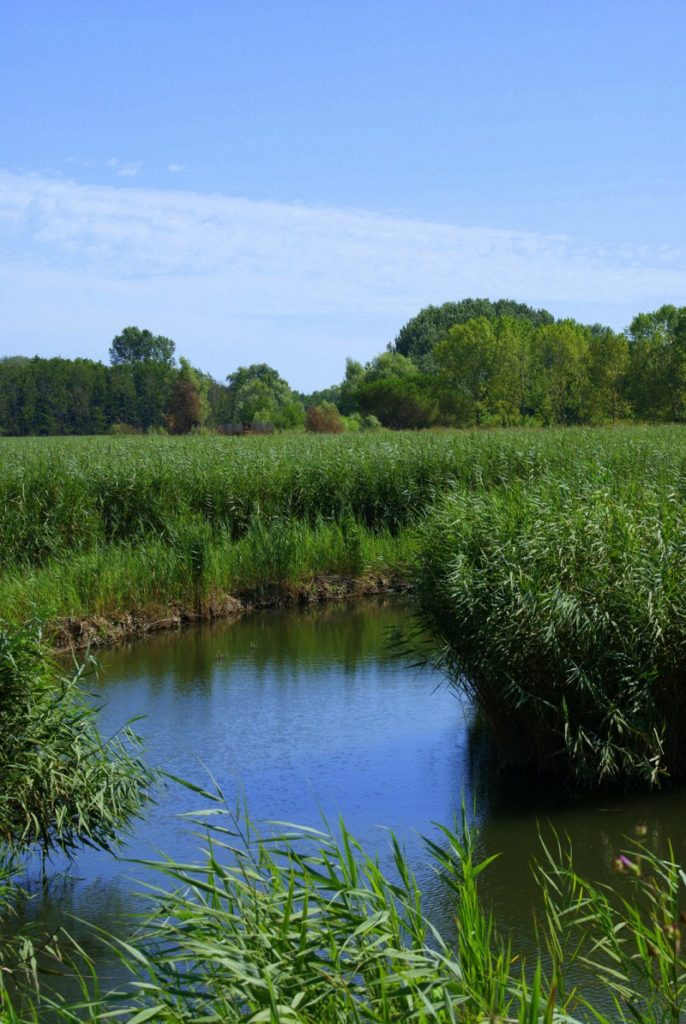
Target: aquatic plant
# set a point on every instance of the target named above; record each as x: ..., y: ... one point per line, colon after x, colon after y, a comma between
x: 160, y: 526
x: 63, y: 786
x: 296, y: 925
x: 561, y: 610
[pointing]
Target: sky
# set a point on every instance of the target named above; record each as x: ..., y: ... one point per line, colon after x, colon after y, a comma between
x: 289, y: 182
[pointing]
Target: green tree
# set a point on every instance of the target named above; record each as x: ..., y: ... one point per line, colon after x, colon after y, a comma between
x: 402, y: 403
x: 607, y: 375
x: 657, y: 373
x: 188, y: 406
x: 560, y: 372
x: 134, y: 345
x: 431, y: 324
x: 258, y: 393
x: 466, y: 363
x: 354, y: 374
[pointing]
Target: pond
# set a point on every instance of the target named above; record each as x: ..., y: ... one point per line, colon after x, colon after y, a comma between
x: 306, y: 713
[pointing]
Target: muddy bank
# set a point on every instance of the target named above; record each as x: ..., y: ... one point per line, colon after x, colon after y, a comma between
x: 103, y: 631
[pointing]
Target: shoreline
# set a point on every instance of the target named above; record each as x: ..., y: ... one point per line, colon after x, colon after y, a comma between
x: 94, y: 631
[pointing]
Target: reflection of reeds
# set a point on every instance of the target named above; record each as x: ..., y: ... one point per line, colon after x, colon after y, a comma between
x: 560, y: 605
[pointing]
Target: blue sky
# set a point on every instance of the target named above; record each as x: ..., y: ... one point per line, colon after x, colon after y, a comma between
x: 290, y: 182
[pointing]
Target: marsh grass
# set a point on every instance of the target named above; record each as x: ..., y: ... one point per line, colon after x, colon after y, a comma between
x: 194, y: 568
x: 63, y: 786
x: 111, y: 526
x: 561, y: 610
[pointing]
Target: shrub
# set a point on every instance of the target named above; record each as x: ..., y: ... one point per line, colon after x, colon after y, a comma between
x: 324, y: 419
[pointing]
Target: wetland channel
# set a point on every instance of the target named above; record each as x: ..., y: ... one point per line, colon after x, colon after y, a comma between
x: 310, y: 712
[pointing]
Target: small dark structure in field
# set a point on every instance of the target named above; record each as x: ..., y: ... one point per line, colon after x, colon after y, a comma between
x: 239, y: 429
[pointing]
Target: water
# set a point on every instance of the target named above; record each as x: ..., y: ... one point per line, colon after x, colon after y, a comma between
x: 309, y: 713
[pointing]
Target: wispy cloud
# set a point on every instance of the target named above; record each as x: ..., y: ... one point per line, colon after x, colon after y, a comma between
x: 123, y: 169
x: 327, y: 282
x: 176, y: 168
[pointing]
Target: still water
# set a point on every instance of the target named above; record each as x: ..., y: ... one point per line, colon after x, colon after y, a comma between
x: 310, y: 713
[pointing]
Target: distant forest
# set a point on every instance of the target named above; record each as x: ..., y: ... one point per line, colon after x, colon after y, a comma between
x: 468, y: 363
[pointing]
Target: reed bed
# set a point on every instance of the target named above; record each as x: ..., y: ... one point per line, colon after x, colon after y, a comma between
x: 153, y: 526
x: 192, y: 569
x: 559, y: 605
x: 59, y: 496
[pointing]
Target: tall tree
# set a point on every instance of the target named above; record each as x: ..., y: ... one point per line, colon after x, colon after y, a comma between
x: 432, y: 323
x: 560, y: 377
x: 607, y: 375
x: 657, y: 375
x: 134, y: 345
x: 466, y: 363
x: 258, y: 393
x: 188, y: 406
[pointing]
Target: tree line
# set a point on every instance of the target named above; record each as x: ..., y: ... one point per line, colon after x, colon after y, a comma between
x: 468, y: 363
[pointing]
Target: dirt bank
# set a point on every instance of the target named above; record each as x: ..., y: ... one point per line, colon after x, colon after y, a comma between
x: 100, y: 631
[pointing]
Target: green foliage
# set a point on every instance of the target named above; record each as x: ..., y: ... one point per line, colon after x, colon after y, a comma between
x: 400, y: 402
x: 62, y: 785
x: 301, y: 926
x: 472, y: 363
x: 624, y: 939
x: 134, y: 345
x: 257, y: 394
x: 557, y: 603
x: 432, y: 324
x: 188, y: 405
x: 657, y: 375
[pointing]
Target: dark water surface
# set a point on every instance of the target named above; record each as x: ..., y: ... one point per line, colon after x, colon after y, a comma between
x: 309, y: 712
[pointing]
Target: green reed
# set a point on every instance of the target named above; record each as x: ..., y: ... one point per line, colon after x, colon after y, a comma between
x: 63, y: 495
x: 63, y: 786
x: 108, y: 526
x: 192, y: 569
x: 559, y: 605
x: 297, y: 925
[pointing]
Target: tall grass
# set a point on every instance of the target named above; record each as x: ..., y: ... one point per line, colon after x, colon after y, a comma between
x: 301, y: 926
x: 192, y: 569
x: 560, y: 607
x: 64, y: 495
x: 110, y: 526
x: 62, y: 785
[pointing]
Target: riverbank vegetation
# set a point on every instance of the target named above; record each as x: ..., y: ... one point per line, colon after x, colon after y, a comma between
x: 547, y: 569
x: 161, y: 529
x: 63, y: 786
x: 558, y: 604
x: 300, y: 925
x: 547, y: 565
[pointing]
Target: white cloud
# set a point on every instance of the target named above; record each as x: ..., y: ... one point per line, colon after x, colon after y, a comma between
x: 236, y: 280
x: 176, y: 168
x: 124, y: 170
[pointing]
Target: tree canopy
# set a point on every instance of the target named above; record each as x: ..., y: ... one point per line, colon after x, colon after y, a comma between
x: 134, y: 345
x: 468, y: 363
x: 432, y: 323
x: 258, y: 393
